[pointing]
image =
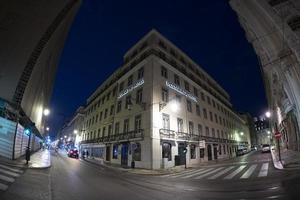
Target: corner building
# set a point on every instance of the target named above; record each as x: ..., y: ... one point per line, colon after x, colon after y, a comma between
x: 155, y: 106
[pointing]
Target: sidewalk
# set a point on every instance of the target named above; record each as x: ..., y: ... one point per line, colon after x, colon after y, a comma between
x: 40, y: 159
x: 289, y: 159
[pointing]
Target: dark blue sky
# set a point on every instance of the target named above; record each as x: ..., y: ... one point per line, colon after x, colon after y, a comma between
x: 207, y: 31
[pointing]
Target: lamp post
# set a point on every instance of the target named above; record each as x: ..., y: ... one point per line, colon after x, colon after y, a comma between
x: 276, y: 134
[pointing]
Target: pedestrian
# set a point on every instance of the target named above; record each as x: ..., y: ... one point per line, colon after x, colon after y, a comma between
x: 87, y: 153
x: 83, y: 154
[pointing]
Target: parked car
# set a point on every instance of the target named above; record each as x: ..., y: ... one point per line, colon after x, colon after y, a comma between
x: 73, y: 153
x: 240, y: 152
x: 265, y: 148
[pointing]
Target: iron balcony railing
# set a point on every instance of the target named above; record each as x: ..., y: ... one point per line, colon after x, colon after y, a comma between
x: 166, y: 133
x: 131, y: 135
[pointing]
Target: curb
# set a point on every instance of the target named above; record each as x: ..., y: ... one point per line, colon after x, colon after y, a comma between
x: 277, y: 164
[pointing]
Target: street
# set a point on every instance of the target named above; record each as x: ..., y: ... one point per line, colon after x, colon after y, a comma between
x: 244, y: 177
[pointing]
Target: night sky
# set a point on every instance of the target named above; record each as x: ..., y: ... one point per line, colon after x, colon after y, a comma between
x: 207, y: 31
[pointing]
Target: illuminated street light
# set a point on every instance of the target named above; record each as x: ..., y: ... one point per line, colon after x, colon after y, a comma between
x: 65, y: 136
x: 75, y: 131
x: 242, y: 133
x: 61, y: 138
x: 268, y: 114
x: 46, y: 112
x: 47, y: 128
x: 174, y: 106
x: 269, y: 132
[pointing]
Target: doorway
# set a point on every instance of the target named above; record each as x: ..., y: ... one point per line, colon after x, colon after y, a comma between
x: 124, y: 154
x: 209, y: 153
x: 215, y: 152
x: 108, y: 153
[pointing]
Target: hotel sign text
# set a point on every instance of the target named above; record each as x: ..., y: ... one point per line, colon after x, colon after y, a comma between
x: 181, y: 91
x: 131, y: 88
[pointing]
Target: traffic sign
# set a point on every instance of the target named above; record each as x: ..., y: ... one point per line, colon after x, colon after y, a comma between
x: 277, y: 135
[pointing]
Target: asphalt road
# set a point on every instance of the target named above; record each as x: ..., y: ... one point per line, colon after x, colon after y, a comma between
x: 73, y: 179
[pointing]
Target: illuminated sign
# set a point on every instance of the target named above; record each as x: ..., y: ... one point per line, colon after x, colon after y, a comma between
x: 181, y: 91
x: 131, y: 88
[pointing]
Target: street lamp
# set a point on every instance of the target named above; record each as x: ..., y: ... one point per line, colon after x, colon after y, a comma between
x: 46, y: 112
x: 47, y: 128
x: 268, y: 114
x: 242, y: 133
x: 65, y: 136
x: 75, y: 131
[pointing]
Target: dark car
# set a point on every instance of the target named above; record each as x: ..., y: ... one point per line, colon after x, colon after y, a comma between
x: 73, y: 153
x: 240, y: 152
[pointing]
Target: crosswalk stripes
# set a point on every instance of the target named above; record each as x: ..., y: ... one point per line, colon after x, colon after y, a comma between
x: 264, y: 170
x: 8, y: 174
x: 248, y: 173
x: 221, y: 173
x: 244, y: 171
x: 207, y: 174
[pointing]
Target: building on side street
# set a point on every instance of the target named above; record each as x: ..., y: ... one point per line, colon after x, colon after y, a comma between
x: 273, y: 28
x: 159, y: 110
x: 71, y: 132
x: 32, y: 37
x: 250, y: 123
x: 263, y: 132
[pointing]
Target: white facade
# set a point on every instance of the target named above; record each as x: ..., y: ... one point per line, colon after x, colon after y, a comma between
x: 172, y: 104
x: 273, y: 28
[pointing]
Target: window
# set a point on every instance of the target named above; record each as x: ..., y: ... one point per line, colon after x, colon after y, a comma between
x: 103, y: 131
x: 112, y: 109
x: 166, y: 121
x: 202, y: 96
x: 93, y: 120
x: 141, y: 73
x: 213, y: 132
x: 208, y: 100
x: 96, y: 118
x: 119, y: 106
x: 115, y: 151
x: 218, y: 133
x: 211, y: 116
x: 213, y: 103
x: 138, y: 122
x: 109, y: 129
x: 100, y: 118
x: 114, y: 91
x: 126, y: 126
x: 193, y: 151
x: 186, y: 86
x: 176, y: 79
x: 191, y: 128
x: 139, y: 96
x: 165, y: 95
x: 164, y: 72
x: 220, y: 120
x: 128, y: 102
x: 207, y: 131
x: 102, y: 100
x: 204, y: 113
x: 121, y: 86
x: 137, y: 152
x: 200, y: 131
x: 166, y: 151
x: 178, y: 98
x: 129, y: 80
x: 107, y: 96
x: 105, y: 113
x: 180, y: 125
x: 117, y: 128
x: 198, y: 109
x: 216, y: 118
x: 224, y: 149
x: 189, y: 105
x: 220, y: 150
x: 195, y: 92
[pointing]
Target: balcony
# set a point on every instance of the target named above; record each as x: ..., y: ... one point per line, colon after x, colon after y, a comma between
x: 122, y: 137
x: 166, y: 133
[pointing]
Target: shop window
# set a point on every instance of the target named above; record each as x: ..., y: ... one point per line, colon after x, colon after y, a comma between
x: 137, y: 152
x: 166, y: 151
x: 193, y: 151
x: 115, y: 151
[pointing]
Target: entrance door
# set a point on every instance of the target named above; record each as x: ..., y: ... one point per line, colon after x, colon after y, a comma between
x: 124, y: 154
x: 181, y: 154
x: 215, y: 152
x: 108, y: 153
x: 209, y: 153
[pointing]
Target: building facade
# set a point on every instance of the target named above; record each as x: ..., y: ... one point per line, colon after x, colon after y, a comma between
x: 71, y: 132
x: 273, y: 28
x: 160, y: 109
x: 263, y: 132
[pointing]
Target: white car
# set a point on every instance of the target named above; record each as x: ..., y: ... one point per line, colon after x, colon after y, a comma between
x: 265, y: 148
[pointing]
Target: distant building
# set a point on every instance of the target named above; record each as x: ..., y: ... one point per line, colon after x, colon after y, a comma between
x: 250, y: 124
x: 71, y: 132
x: 263, y: 132
x: 273, y: 28
x: 156, y: 105
x: 32, y: 35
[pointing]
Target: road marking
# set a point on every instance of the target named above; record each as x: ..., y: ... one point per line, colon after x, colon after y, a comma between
x: 7, y: 179
x: 248, y: 173
x: 264, y: 170
x: 3, y: 187
x: 180, y: 173
x: 238, y: 170
x: 11, y: 169
x: 198, y: 173
x: 188, y: 174
x: 209, y: 173
x: 221, y: 172
x: 9, y: 173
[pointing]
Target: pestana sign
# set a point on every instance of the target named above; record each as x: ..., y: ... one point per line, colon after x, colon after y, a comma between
x: 131, y: 88
x: 181, y: 91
